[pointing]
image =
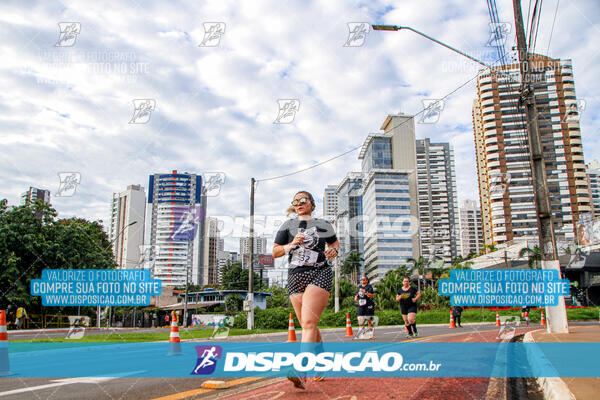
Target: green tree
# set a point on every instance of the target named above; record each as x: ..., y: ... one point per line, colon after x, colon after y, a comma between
x: 387, y: 288
x: 234, y: 303
x: 488, y: 248
x: 279, y: 297
x: 32, y: 239
x: 236, y: 277
x: 534, y: 256
x: 419, y: 265
x: 351, y: 266
x: 347, y: 293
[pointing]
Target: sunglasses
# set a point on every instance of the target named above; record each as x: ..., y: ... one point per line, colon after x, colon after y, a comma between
x: 303, y: 200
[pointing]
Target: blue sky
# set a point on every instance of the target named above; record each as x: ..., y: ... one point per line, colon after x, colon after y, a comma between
x: 67, y: 108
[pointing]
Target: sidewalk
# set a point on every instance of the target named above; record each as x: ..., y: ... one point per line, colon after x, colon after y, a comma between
x: 568, y: 388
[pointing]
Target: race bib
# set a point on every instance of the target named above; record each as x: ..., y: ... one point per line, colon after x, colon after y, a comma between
x: 304, y: 256
x: 362, y: 302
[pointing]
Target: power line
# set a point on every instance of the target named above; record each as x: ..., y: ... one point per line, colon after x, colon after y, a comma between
x: 552, y: 30
x: 358, y: 147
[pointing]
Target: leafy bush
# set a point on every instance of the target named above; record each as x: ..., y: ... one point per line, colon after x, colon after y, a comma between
x: 234, y: 302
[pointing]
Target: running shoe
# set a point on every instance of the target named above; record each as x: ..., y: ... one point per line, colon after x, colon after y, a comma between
x: 298, y: 381
x: 319, y: 378
x: 409, y: 335
x: 416, y: 335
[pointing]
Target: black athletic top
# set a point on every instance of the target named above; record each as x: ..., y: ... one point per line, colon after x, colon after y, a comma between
x: 363, y: 299
x: 407, y: 296
x: 311, y: 253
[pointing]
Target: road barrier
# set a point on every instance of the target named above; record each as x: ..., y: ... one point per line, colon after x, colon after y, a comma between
x: 452, y: 325
x: 174, y: 342
x: 4, y: 364
x: 291, y: 329
x: 348, y: 326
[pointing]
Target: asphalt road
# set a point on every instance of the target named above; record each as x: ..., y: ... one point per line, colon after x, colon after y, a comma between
x: 251, y: 388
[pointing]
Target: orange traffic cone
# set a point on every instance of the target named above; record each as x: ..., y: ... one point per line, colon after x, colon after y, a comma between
x: 291, y: 330
x: 542, y: 319
x: 4, y: 366
x: 174, y: 342
x: 348, y: 326
x: 452, y: 325
x: 498, y: 319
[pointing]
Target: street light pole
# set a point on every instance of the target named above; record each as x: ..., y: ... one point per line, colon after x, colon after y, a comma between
x: 539, y: 183
x: 111, y: 242
x: 250, y: 297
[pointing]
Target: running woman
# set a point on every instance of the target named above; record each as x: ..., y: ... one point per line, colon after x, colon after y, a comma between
x: 525, y: 313
x: 366, y: 306
x: 310, y: 278
x: 408, y: 297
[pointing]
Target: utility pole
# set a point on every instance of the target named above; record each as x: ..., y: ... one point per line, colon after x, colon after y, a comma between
x: 336, y: 276
x: 557, y: 317
x: 250, y: 297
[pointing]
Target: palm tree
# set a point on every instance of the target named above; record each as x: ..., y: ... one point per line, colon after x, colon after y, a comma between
x: 488, y: 248
x: 351, y: 266
x: 387, y: 288
x: 419, y: 265
x: 534, y: 256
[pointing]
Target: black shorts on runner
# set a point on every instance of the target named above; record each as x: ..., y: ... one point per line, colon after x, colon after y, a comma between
x: 408, y: 309
x: 365, y: 311
x: 321, y: 277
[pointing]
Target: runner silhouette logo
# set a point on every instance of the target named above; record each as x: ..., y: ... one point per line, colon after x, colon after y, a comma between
x: 207, y: 359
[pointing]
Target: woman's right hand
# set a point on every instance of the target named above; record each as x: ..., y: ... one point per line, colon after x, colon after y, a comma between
x: 298, y: 239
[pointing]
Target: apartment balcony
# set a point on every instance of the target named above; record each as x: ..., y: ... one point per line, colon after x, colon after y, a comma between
x: 492, y: 140
x: 489, y: 117
x: 486, y: 86
x: 577, y: 157
x: 489, y: 125
x: 487, y: 102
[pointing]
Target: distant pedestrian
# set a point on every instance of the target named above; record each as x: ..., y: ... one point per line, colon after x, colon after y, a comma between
x: 366, y: 307
x: 166, y: 319
x: 456, y: 312
x: 525, y: 313
x: 10, y: 316
x: 21, y: 317
x: 408, y: 297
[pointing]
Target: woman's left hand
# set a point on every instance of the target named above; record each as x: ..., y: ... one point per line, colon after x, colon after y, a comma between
x: 331, y: 253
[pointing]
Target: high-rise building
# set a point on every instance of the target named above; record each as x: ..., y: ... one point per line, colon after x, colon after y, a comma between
x: 503, y: 159
x: 349, y: 218
x: 175, y: 228
x: 330, y: 202
x: 260, y: 247
x: 30, y: 196
x: 593, y: 175
x: 471, y: 233
x: 438, y: 203
x: 390, y: 202
x: 211, y: 242
x: 126, y: 231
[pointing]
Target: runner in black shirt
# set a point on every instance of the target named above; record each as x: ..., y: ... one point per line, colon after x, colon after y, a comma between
x: 310, y: 278
x: 366, y: 306
x: 525, y: 313
x: 408, y: 296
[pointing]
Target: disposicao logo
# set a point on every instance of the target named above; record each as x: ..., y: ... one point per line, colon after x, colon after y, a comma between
x: 207, y: 359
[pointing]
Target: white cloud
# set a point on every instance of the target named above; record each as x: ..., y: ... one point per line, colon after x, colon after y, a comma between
x: 215, y: 106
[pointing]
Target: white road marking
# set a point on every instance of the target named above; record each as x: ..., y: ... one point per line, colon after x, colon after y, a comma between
x: 69, y: 381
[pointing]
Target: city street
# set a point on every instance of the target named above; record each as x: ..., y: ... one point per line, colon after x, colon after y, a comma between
x: 264, y: 388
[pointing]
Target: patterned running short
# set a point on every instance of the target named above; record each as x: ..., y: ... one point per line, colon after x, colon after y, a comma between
x: 321, y: 277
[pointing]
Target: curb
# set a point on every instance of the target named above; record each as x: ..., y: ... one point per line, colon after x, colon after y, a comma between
x: 554, y: 388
